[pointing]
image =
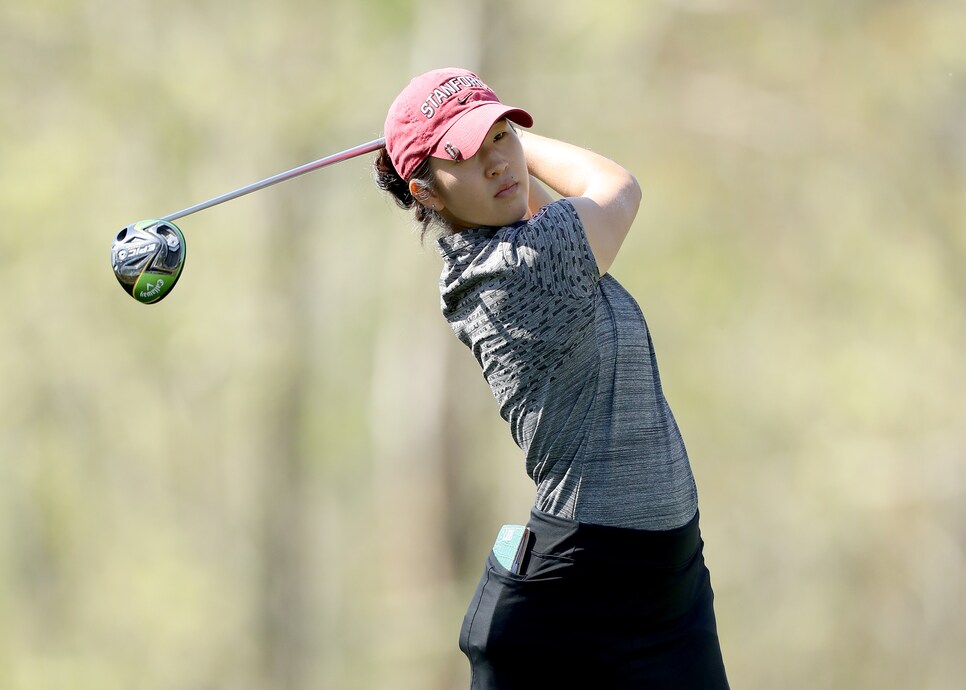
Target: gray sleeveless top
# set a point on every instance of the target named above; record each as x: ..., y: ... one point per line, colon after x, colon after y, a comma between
x: 569, y: 359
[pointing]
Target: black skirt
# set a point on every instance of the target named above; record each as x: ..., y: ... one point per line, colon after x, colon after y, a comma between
x: 596, y: 607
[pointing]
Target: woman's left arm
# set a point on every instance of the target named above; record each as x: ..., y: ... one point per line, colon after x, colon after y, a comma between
x: 605, y: 195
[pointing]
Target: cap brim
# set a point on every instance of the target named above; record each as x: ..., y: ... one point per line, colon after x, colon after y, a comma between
x: 468, y: 132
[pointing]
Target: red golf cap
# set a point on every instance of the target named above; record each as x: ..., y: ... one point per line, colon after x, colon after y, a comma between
x: 444, y: 113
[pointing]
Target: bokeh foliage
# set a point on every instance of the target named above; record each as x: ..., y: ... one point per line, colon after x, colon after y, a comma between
x: 287, y: 474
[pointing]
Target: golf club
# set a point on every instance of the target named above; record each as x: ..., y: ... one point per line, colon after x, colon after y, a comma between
x: 148, y: 256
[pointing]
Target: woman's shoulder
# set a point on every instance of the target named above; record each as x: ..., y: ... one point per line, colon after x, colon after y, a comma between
x: 549, y: 248
x: 555, y: 209
x: 552, y: 216
x: 554, y: 213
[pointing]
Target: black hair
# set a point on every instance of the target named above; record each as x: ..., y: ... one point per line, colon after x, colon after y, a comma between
x: 387, y: 179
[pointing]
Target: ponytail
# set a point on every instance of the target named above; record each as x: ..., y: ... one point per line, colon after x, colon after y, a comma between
x: 387, y: 179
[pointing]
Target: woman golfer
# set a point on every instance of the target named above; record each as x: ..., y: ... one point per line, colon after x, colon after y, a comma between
x: 611, y: 590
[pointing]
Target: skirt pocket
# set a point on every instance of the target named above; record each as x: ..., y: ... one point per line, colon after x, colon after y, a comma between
x: 513, y: 620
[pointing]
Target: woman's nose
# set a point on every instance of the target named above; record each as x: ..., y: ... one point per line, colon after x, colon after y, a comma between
x: 496, y: 164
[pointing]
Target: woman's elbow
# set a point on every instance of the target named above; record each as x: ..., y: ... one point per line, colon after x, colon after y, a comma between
x: 631, y: 196
x: 634, y: 188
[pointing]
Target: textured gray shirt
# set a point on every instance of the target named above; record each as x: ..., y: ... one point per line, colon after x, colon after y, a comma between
x: 569, y: 359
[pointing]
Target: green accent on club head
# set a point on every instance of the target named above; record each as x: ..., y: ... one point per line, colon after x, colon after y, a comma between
x: 141, y: 224
x: 152, y: 287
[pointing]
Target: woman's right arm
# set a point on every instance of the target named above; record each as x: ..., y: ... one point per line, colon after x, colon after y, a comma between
x: 604, y: 194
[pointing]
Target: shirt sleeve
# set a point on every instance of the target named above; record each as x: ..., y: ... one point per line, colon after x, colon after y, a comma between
x: 551, y: 251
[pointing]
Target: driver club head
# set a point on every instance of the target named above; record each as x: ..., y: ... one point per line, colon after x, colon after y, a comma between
x: 147, y: 258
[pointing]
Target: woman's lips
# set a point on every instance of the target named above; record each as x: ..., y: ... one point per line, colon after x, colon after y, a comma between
x: 506, y: 190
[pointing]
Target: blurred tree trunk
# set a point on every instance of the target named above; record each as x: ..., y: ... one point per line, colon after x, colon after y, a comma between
x: 418, y: 465
x: 283, y: 623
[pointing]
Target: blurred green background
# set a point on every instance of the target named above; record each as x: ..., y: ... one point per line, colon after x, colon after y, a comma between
x: 288, y: 474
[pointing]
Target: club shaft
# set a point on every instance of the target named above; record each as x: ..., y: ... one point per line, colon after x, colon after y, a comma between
x: 359, y: 150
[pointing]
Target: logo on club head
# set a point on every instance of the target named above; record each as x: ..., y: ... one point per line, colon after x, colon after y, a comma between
x: 152, y: 289
x: 123, y: 254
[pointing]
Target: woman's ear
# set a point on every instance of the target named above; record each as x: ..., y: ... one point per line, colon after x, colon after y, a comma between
x: 425, y: 196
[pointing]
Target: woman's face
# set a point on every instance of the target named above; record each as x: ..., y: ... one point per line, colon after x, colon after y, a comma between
x: 491, y: 188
